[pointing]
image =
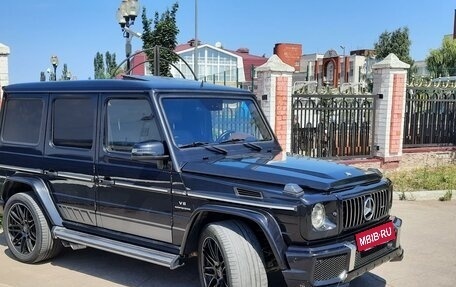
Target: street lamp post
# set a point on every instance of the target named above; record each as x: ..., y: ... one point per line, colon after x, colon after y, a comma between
x: 126, y: 15
x: 55, y: 63
x: 343, y: 50
x: 195, y: 52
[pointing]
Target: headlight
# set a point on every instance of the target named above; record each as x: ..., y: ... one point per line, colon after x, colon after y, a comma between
x: 320, y: 220
x: 318, y: 216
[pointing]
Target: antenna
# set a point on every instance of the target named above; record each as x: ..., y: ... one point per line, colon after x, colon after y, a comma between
x: 202, y: 82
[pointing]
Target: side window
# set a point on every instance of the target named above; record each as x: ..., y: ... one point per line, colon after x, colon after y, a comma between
x: 74, y: 122
x: 23, y: 120
x: 129, y: 121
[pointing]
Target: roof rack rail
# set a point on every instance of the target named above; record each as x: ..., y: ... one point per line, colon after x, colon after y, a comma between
x: 156, y: 62
x: 134, y: 77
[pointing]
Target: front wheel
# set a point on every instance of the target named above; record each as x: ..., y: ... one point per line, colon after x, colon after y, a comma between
x: 27, y: 231
x: 230, y: 256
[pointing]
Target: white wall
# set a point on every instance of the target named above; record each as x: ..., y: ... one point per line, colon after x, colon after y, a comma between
x: 4, y: 78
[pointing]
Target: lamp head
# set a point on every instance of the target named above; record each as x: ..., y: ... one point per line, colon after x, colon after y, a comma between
x: 120, y: 18
x: 133, y: 9
x: 54, y: 61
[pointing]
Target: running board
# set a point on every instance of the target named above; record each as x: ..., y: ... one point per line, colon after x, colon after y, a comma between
x: 142, y: 253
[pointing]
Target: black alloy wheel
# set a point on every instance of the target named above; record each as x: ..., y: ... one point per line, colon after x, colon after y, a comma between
x: 27, y: 230
x: 21, y: 228
x: 230, y: 256
x: 213, y: 264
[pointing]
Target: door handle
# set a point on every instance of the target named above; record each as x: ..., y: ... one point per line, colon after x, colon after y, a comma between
x: 51, y: 173
x: 106, y: 180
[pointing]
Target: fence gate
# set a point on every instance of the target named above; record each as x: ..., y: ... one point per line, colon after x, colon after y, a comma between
x: 331, y: 125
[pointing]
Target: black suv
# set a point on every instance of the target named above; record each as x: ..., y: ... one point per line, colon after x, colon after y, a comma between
x: 163, y: 170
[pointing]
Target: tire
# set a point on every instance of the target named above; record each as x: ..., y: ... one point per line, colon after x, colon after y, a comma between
x: 27, y: 232
x: 230, y: 255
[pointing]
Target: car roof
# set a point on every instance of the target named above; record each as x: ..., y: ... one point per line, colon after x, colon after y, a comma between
x: 127, y: 83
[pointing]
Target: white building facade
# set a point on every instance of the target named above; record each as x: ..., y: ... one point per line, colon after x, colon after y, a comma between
x: 4, y: 76
x: 215, y: 64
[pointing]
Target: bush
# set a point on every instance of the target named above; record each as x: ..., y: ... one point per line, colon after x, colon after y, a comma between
x: 435, y: 178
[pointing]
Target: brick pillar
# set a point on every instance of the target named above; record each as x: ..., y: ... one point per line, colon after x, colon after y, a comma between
x: 4, y: 79
x: 274, y: 91
x: 390, y: 77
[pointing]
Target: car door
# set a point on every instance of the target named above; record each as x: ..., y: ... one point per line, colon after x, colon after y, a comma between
x: 69, y: 157
x: 132, y: 197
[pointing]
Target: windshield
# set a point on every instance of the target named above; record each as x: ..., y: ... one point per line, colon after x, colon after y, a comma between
x: 204, y: 120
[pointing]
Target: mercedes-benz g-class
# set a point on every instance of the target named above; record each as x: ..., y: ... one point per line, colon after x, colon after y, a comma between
x: 163, y: 170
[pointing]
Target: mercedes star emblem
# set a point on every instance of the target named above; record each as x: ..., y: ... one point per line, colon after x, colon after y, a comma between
x: 369, y: 208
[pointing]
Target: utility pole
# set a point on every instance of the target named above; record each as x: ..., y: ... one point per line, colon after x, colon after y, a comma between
x: 195, y: 55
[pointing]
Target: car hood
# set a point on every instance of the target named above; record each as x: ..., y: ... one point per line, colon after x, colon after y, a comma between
x: 319, y: 175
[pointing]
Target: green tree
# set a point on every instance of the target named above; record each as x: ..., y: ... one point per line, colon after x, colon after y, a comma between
x: 64, y: 72
x: 98, y: 65
x: 397, y: 42
x: 105, y: 69
x: 164, y: 34
x: 66, y: 75
x: 442, y: 62
x: 111, y: 64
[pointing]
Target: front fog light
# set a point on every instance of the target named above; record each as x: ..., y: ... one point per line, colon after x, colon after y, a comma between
x: 318, y: 216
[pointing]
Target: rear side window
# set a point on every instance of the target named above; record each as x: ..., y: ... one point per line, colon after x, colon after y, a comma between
x: 23, y: 119
x: 74, y: 122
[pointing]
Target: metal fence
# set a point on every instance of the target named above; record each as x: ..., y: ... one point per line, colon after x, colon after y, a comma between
x: 234, y: 117
x: 430, y: 115
x: 233, y: 78
x: 332, y: 125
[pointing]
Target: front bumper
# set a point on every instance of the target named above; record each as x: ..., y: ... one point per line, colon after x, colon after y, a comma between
x: 337, y: 264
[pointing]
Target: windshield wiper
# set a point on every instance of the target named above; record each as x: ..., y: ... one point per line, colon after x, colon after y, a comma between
x: 253, y: 146
x: 207, y: 146
x: 216, y: 149
x: 232, y: 141
x: 247, y: 144
x: 193, y: 144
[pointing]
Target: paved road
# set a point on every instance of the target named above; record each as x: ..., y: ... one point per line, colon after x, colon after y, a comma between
x: 429, y: 238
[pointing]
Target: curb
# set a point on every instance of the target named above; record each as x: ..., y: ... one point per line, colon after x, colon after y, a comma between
x: 419, y: 195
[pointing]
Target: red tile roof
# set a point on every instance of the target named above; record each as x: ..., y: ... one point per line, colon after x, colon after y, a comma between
x: 248, y: 61
x: 182, y: 47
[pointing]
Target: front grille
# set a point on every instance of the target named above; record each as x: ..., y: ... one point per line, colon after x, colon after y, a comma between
x: 330, y: 267
x: 353, y: 208
x: 364, y: 258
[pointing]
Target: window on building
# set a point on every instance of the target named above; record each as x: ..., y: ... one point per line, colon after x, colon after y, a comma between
x: 74, y: 122
x: 342, y: 70
x: 23, y: 120
x: 129, y: 121
x: 213, y: 65
x: 330, y: 72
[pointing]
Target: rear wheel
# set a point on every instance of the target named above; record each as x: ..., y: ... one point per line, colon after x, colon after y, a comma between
x: 27, y: 231
x: 230, y: 256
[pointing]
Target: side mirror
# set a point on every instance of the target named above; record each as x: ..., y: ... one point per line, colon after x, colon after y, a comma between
x: 150, y: 150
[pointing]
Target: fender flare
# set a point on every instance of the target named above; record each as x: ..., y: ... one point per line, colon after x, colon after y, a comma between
x: 263, y: 219
x: 40, y: 189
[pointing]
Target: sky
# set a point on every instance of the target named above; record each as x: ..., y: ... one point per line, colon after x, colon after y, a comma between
x: 76, y: 30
